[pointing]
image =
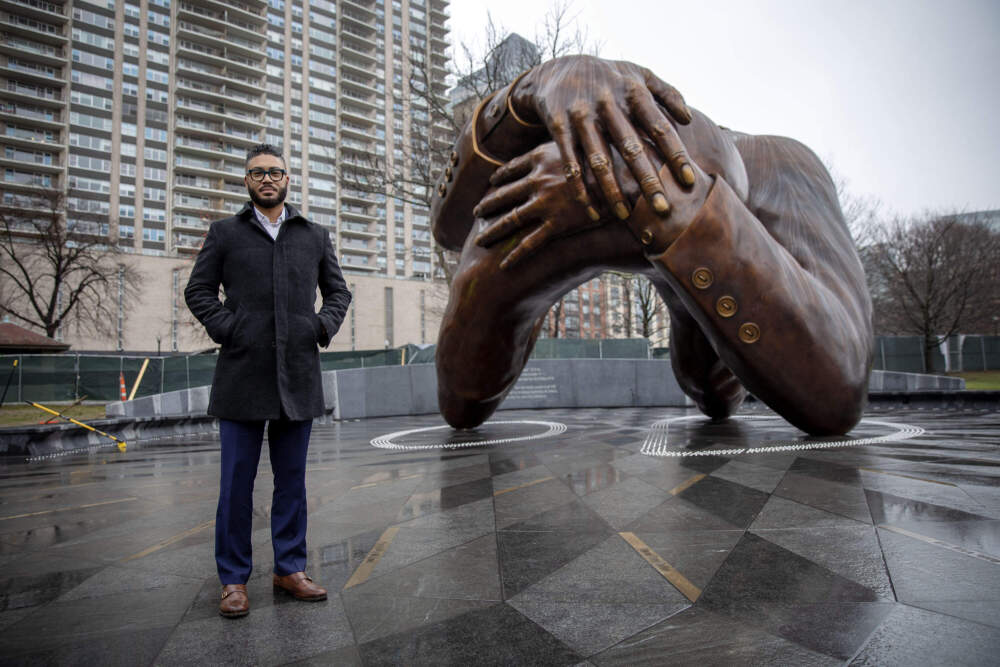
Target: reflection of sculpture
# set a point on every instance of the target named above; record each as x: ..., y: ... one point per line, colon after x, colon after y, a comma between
x: 742, y: 235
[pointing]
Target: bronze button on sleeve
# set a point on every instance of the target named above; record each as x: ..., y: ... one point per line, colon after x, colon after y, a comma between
x: 749, y: 332
x: 448, y: 173
x: 442, y: 189
x: 726, y: 306
x: 646, y: 237
x: 702, y: 278
x: 454, y: 158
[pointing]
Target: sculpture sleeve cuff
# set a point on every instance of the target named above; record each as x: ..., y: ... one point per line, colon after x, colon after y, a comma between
x: 788, y: 338
x: 462, y: 183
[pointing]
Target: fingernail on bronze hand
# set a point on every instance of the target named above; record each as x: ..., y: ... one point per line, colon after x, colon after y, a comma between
x: 687, y: 174
x: 660, y: 204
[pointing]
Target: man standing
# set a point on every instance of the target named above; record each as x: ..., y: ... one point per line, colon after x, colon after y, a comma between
x: 269, y: 260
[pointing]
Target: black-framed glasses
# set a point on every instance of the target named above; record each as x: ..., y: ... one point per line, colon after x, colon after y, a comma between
x: 258, y: 174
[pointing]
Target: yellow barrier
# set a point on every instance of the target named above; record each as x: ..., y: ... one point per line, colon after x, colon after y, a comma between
x: 118, y: 441
x: 142, y: 371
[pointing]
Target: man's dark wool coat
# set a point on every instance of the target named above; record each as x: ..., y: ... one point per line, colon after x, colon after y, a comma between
x: 268, y: 327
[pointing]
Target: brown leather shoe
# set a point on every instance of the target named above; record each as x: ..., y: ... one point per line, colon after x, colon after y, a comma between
x: 299, y: 586
x: 235, y: 601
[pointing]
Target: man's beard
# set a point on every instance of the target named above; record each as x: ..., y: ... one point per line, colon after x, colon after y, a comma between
x: 268, y: 202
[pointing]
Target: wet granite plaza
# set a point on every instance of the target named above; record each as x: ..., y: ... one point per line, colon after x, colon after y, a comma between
x: 555, y: 540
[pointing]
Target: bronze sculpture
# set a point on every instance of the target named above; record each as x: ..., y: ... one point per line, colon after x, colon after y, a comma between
x: 742, y: 236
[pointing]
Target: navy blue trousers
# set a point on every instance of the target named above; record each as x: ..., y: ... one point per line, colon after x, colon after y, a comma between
x: 287, y: 442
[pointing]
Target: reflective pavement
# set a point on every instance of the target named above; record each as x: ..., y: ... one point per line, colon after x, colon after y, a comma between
x: 542, y: 546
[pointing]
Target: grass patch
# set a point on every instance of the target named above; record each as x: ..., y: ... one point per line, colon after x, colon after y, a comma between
x: 25, y: 415
x: 980, y: 380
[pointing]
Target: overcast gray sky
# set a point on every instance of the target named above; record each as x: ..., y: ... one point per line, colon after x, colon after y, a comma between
x: 901, y: 97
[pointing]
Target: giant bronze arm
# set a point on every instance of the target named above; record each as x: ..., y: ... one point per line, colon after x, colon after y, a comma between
x: 753, y: 258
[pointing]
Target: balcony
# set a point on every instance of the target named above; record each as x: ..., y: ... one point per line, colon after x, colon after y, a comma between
x: 41, y: 140
x: 356, y: 115
x: 355, y: 131
x: 37, y: 9
x: 362, y: 56
x: 220, y: 94
x: 355, y: 97
x: 220, y: 76
x: 357, y: 246
x: 358, y: 229
x: 439, y: 10
x: 33, y: 29
x: 187, y: 243
x: 234, y: 21
x: 356, y: 145
x: 193, y: 31
x: 190, y: 222
x: 245, y: 13
x: 354, y: 24
x: 358, y: 213
x: 27, y: 73
x: 353, y: 262
x: 224, y: 131
x: 358, y: 8
x: 30, y: 114
x: 439, y: 29
x: 219, y: 112
x: 16, y: 45
x: 222, y: 59
x: 208, y: 148
x: 219, y: 189
x: 362, y: 85
x: 198, y: 205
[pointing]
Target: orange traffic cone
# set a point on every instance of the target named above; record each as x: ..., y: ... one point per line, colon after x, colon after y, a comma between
x: 121, y: 385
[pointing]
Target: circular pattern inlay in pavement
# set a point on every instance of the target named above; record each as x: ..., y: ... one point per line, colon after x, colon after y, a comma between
x: 699, y: 436
x: 489, y: 433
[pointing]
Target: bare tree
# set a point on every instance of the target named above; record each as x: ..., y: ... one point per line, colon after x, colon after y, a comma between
x: 934, y: 276
x: 650, y: 311
x: 435, y: 121
x: 54, y: 272
x: 643, y: 312
x: 554, y: 326
x: 861, y: 213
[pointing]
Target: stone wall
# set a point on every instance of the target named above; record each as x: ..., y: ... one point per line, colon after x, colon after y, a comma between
x: 385, y: 391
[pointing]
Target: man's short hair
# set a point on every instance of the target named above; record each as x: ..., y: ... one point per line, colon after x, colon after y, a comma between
x: 264, y: 149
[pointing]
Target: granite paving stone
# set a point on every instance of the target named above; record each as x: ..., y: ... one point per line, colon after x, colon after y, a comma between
x: 852, y: 552
x: 929, y: 572
x: 698, y: 637
x: 626, y: 501
x: 695, y: 554
x: 835, y: 497
x: 590, y: 627
x: 499, y: 632
x: 612, y: 572
x: 911, y: 636
x: 514, y: 554
x: 761, y: 478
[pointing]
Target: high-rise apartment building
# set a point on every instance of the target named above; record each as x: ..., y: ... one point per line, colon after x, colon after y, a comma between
x: 144, y: 110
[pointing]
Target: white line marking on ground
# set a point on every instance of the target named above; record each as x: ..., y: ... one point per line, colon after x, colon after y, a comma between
x: 657, y: 443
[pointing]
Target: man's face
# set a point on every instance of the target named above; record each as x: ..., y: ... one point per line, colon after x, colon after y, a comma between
x: 266, y: 193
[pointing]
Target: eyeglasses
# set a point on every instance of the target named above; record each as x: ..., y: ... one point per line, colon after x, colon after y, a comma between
x: 258, y: 174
